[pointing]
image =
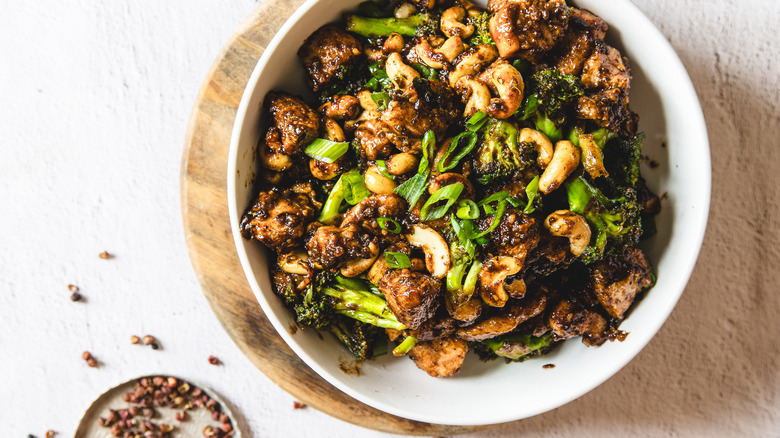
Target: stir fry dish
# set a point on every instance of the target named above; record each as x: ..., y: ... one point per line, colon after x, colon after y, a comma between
x: 458, y: 179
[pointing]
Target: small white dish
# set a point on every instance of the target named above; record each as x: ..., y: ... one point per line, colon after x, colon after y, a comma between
x: 495, y: 392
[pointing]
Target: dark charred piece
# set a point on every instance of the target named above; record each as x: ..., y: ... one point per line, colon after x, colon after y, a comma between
x: 278, y: 219
x: 527, y: 29
x: 294, y: 123
x: 617, y: 280
x: 577, y: 45
x: 441, y: 357
x: 412, y: 296
x: 329, y: 54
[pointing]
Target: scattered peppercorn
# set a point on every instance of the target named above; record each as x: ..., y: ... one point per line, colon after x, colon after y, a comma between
x: 298, y: 405
x: 76, y: 297
x: 50, y: 434
x: 105, y: 255
x: 214, y: 360
x: 134, y: 339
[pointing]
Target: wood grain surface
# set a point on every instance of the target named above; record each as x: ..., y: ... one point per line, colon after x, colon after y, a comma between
x: 210, y: 242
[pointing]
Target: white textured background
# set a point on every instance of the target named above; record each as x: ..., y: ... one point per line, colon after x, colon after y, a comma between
x: 94, y: 100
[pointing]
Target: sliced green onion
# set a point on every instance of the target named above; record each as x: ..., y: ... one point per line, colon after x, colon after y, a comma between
x: 488, y: 209
x: 381, y: 100
x: 397, y: 260
x: 388, y: 224
x: 354, y: 187
x: 470, y: 284
x: 370, y: 318
x: 470, y: 139
x: 326, y: 150
x: 499, y: 196
x: 467, y: 209
x: 382, y: 166
x: 330, y: 210
x: 476, y: 121
x: 449, y: 193
x: 428, y: 149
x: 405, y: 346
x: 514, y: 201
x: 531, y: 190
x: 413, y: 188
x: 497, y: 215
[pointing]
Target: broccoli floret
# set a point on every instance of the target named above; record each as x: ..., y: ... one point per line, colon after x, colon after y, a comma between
x: 424, y: 23
x: 551, y: 95
x: 499, y: 155
x: 346, y: 307
x: 519, y: 347
x: 481, y: 23
x: 622, y: 159
x: 614, y: 222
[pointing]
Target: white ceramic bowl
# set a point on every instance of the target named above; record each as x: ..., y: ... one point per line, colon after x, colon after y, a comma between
x: 495, y: 392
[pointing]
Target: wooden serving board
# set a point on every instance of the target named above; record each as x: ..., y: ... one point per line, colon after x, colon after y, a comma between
x: 210, y: 242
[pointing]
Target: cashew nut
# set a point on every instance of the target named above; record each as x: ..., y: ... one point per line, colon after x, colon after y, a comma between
x: 491, y: 279
x: 271, y: 160
x: 451, y: 23
x: 592, y: 159
x: 366, y: 102
x: 393, y: 43
x: 472, y: 61
x: 451, y: 48
x: 401, y: 163
x: 400, y: 74
x: 426, y: 53
x: 564, y: 160
x: 505, y: 82
x: 405, y: 10
x: 476, y: 94
x: 295, y: 262
x: 437, y: 253
x: 542, y: 145
x: 448, y: 178
x: 378, y: 183
x: 355, y: 267
x: 565, y: 223
x: 333, y: 131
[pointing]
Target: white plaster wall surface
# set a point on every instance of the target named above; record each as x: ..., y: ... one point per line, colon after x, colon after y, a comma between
x: 95, y: 99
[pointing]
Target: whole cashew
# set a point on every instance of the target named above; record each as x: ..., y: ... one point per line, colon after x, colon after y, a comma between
x: 477, y: 95
x: 400, y: 74
x: 451, y: 23
x: 333, y: 131
x: 378, y: 183
x: 565, y: 223
x: 295, y: 262
x: 491, y: 279
x: 401, y: 163
x: 271, y: 160
x: 506, y: 82
x: 393, y: 43
x: 472, y: 61
x: 426, y: 53
x: 451, y: 48
x: 565, y: 159
x: 592, y: 159
x: 366, y: 102
x: 445, y: 179
x: 542, y: 145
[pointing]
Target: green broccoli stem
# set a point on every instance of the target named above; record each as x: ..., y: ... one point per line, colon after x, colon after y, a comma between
x: 375, y: 27
x: 405, y: 346
x: 330, y: 210
x: 370, y: 318
x: 519, y: 346
x: 363, y: 306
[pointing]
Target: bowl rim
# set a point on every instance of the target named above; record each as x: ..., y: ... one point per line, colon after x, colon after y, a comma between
x: 694, y: 123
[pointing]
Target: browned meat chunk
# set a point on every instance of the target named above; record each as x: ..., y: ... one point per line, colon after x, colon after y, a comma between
x: 466, y: 312
x: 515, y: 236
x: 412, y: 296
x: 294, y: 123
x: 528, y: 28
x: 328, y: 54
x: 510, y: 317
x: 278, y: 219
x: 569, y: 319
x: 606, y: 68
x: 366, y: 212
x: 577, y: 45
x: 434, y: 328
x: 550, y: 255
x: 341, y: 107
x: 609, y: 109
x: 617, y: 280
x: 329, y: 247
x: 441, y: 357
x: 374, y: 139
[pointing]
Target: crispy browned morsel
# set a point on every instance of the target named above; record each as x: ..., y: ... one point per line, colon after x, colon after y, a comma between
x: 527, y: 29
x: 329, y: 246
x: 440, y: 357
x: 609, y: 109
x: 577, y: 45
x: 617, y: 280
x: 294, y: 123
x: 506, y: 321
x: 412, y: 296
x: 366, y: 212
x: 433, y: 328
x: 606, y: 68
x: 569, y: 319
x: 551, y: 254
x: 467, y: 312
x: 374, y: 139
x: 278, y: 219
x: 328, y: 54
x: 515, y: 236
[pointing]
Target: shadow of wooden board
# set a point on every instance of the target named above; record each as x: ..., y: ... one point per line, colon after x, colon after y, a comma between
x: 210, y: 242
